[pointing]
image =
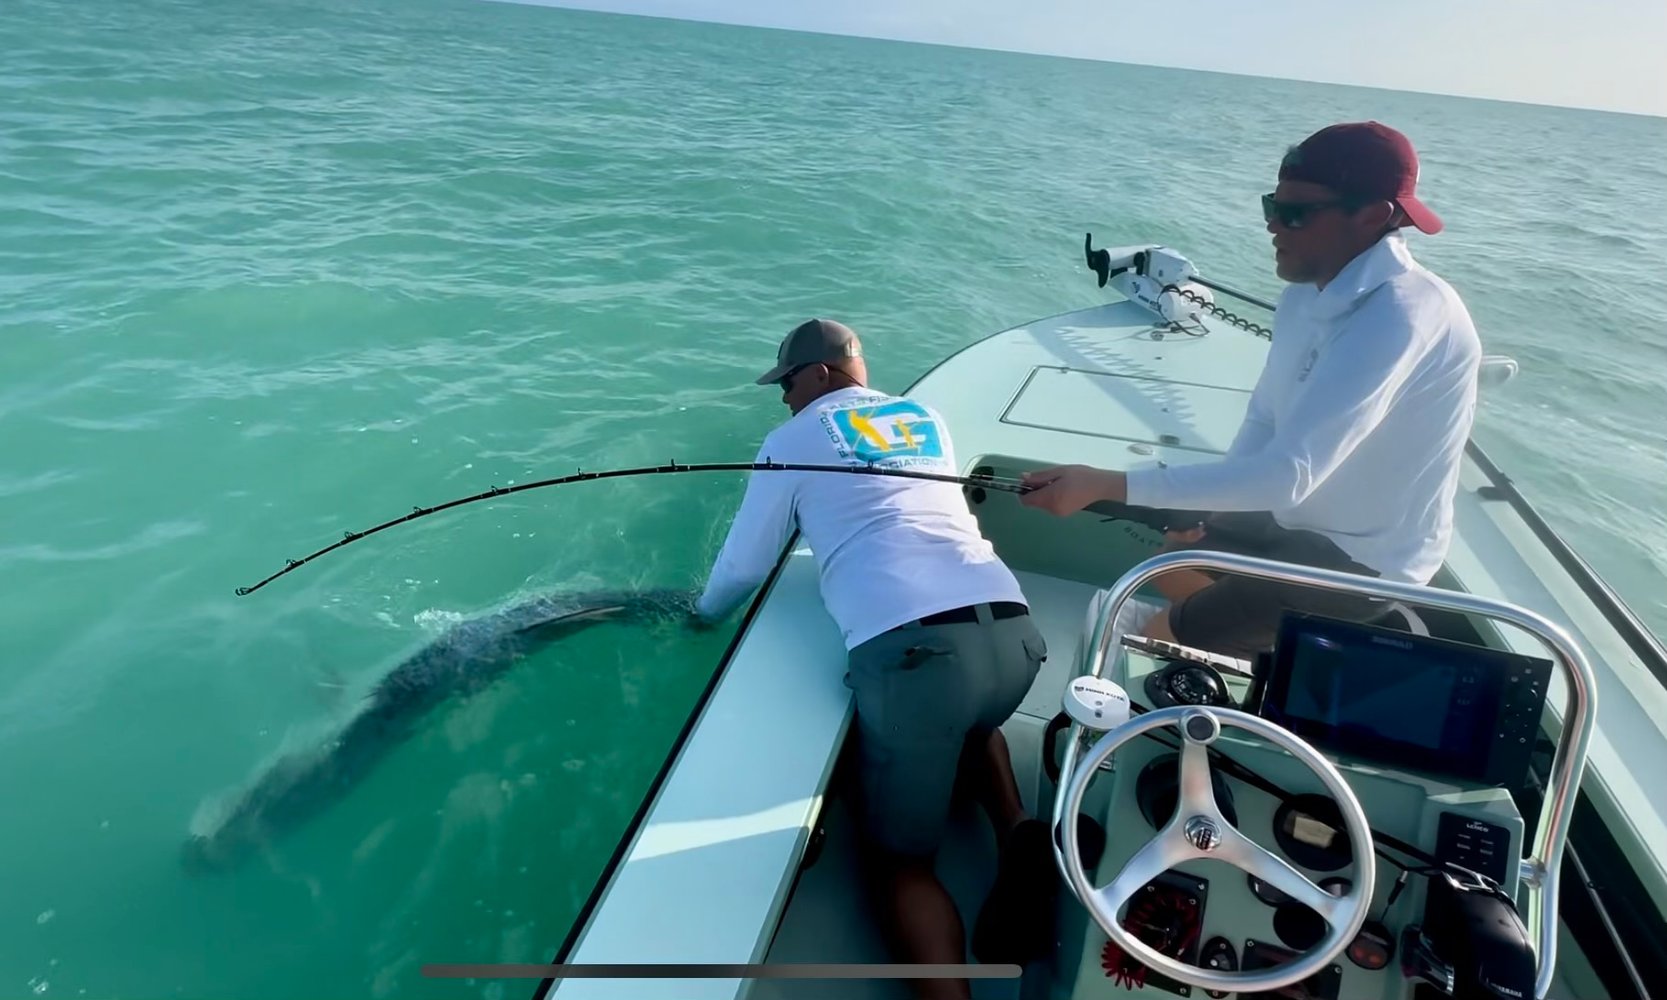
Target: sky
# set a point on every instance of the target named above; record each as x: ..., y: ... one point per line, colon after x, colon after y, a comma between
x: 1604, y: 54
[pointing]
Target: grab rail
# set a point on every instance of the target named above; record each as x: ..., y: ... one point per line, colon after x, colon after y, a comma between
x: 1621, y: 618
x: 1541, y: 870
x: 1230, y: 290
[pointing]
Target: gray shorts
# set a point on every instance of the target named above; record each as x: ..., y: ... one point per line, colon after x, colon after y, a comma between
x: 922, y: 693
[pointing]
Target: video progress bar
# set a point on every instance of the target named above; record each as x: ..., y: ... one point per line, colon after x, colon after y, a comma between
x: 709, y: 971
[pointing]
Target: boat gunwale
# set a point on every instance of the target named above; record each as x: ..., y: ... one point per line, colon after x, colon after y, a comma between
x: 1615, y: 611
x: 622, y: 848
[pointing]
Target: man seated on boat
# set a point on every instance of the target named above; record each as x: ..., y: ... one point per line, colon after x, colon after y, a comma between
x: 940, y: 645
x: 1348, y: 457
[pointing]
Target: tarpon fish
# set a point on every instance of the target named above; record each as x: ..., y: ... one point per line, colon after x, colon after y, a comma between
x: 465, y: 659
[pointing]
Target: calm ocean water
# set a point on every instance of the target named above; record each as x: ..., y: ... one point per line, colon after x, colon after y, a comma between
x: 274, y: 270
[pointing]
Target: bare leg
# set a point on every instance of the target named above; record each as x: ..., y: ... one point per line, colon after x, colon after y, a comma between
x: 918, y: 918
x: 1178, y: 585
x: 916, y: 915
x: 1015, y: 923
x: 989, y: 766
x: 1158, y: 628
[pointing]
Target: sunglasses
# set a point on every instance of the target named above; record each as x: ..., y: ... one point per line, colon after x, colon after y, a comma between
x: 1295, y: 214
x: 786, y: 381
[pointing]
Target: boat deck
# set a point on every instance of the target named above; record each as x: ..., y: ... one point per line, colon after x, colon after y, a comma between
x: 826, y: 919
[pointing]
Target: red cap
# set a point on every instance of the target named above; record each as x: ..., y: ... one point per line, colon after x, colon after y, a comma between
x: 1368, y: 161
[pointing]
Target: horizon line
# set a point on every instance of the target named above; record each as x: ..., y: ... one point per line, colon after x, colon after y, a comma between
x: 569, y: 5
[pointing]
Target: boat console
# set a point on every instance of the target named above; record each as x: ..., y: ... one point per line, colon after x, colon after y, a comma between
x: 1335, y: 820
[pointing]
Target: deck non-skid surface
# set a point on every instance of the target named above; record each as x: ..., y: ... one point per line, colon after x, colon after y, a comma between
x: 827, y: 919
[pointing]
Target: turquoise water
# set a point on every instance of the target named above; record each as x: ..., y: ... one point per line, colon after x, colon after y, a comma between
x: 270, y: 271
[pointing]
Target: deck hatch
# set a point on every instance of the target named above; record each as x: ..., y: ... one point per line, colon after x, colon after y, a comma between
x: 1133, y: 408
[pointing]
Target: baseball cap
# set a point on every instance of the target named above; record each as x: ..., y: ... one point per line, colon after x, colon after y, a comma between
x: 812, y: 341
x: 1366, y: 161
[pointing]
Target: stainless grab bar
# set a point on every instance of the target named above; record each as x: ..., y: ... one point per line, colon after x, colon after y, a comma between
x: 1541, y: 870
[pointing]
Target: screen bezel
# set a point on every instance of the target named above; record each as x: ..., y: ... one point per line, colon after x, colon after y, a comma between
x: 1273, y: 690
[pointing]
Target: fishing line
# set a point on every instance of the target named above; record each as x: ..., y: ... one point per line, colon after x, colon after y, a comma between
x: 1157, y: 519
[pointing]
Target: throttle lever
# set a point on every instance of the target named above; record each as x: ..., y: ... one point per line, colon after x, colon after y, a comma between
x: 1420, y: 963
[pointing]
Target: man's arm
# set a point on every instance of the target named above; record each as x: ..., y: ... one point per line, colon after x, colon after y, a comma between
x: 754, y: 543
x: 1065, y: 489
x: 1349, y: 390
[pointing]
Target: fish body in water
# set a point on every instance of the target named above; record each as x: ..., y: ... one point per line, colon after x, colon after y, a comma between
x: 465, y: 659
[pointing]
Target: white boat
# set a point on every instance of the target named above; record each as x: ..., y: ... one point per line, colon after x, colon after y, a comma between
x: 742, y: 853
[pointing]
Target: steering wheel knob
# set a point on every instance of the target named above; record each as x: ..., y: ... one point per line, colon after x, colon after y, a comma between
x: 1201, y: 728
x: 1202, y: 833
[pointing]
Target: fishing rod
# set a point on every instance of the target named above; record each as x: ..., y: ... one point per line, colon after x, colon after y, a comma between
x: 1155, y: 518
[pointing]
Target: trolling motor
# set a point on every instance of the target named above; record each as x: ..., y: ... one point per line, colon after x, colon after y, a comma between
x: 1153, y: 276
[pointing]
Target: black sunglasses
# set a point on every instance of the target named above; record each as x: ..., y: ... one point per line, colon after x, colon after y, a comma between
x: 786, y: 381
x: 1295, y: 214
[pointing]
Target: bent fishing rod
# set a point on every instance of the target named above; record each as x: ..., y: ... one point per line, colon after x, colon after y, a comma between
x: 1155, y: 518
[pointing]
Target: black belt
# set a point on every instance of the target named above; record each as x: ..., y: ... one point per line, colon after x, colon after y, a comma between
x: 956, y: 616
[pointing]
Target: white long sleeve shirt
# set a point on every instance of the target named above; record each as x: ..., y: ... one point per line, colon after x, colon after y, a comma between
x: 1357, y: 425
x: 888, y: 549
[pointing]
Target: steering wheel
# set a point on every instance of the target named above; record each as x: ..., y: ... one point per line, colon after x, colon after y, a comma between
x: 1197, y: 830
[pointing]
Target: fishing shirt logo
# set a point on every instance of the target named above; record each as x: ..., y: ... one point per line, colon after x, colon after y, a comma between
x: 895, y: 434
